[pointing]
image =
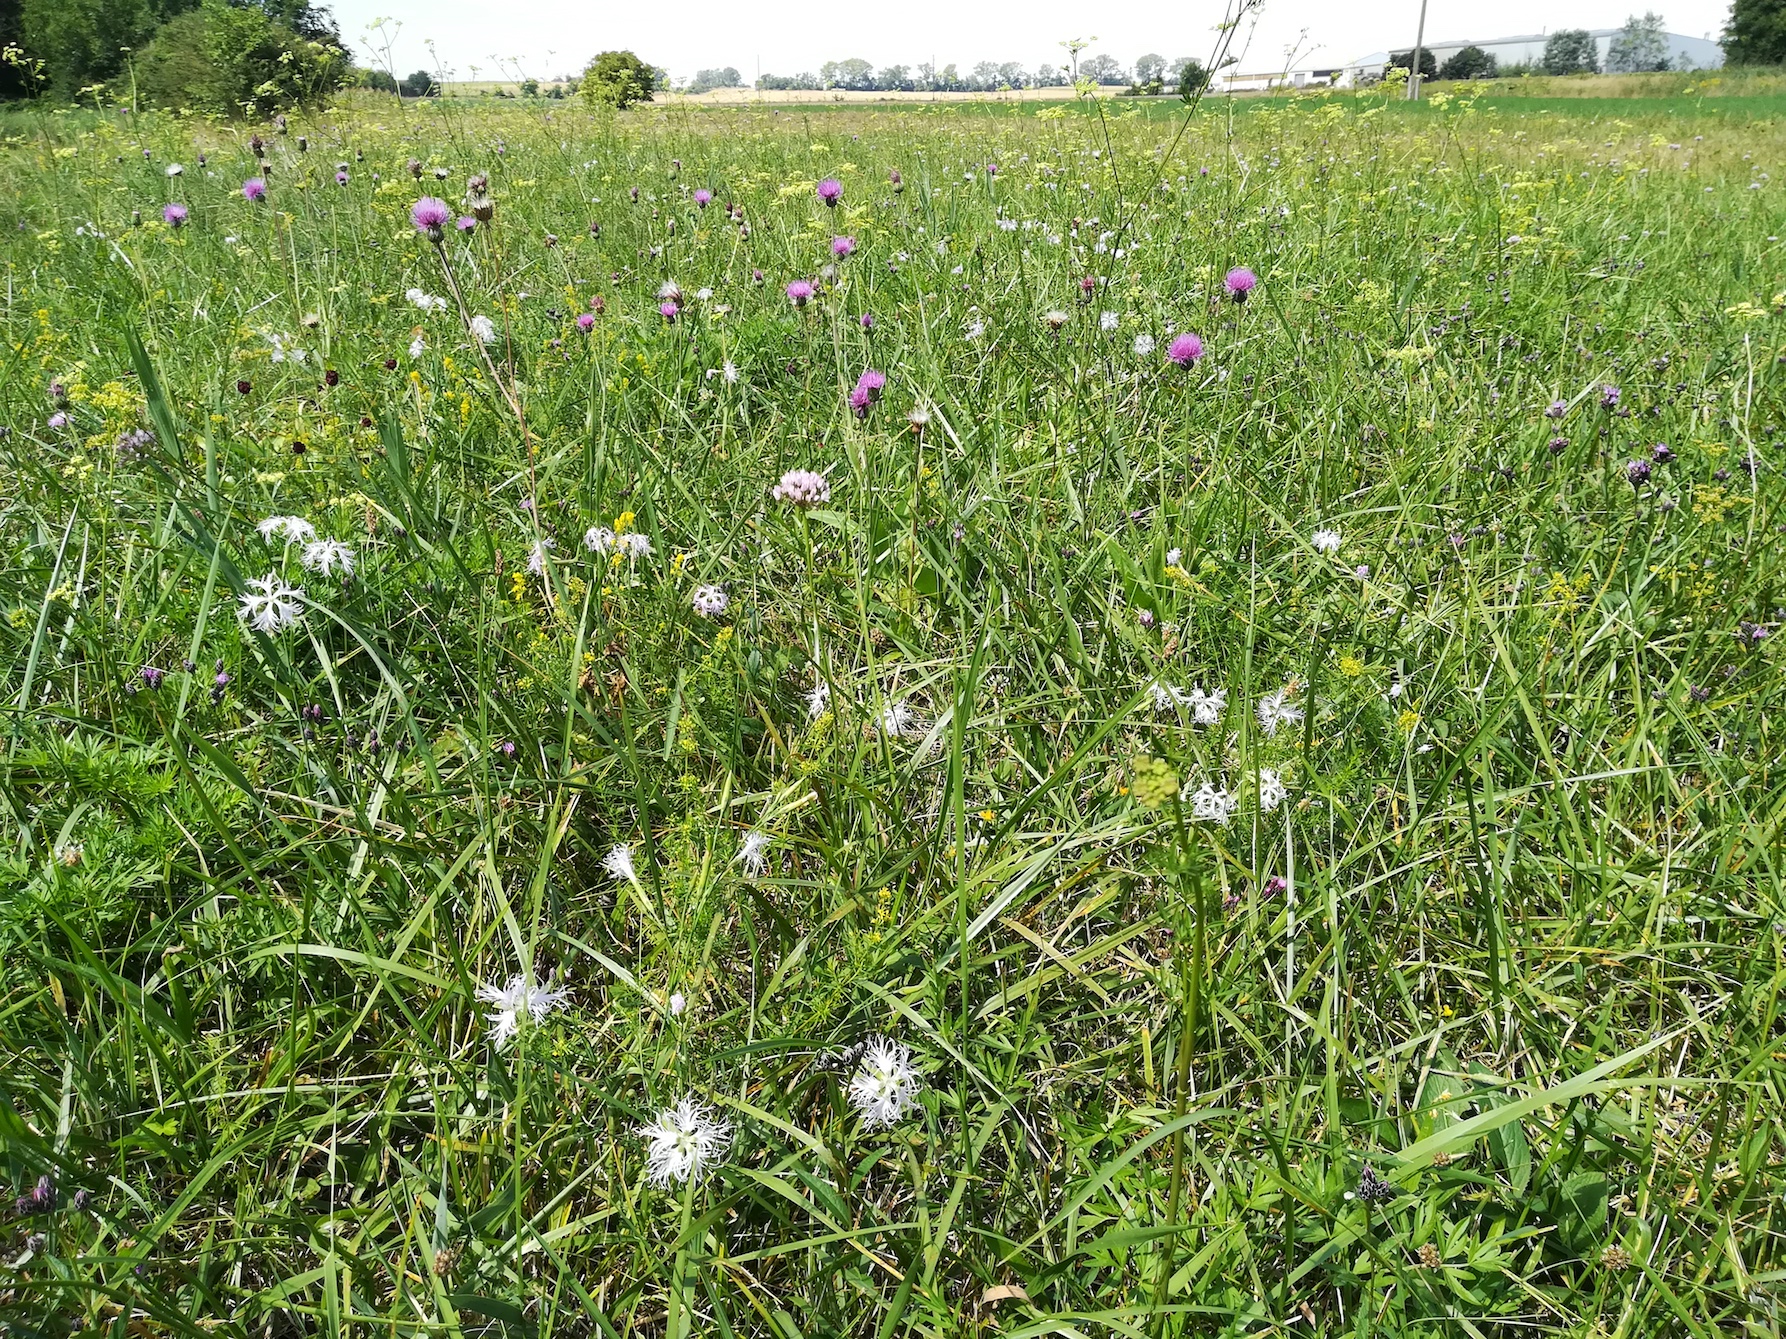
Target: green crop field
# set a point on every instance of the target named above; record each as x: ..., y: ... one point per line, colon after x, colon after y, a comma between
x: 1031, y: 721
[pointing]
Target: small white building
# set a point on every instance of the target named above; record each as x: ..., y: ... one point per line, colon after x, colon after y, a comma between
x: 1684, y: 53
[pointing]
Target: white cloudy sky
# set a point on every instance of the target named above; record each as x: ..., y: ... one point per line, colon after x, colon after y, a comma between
x: 549, y: 37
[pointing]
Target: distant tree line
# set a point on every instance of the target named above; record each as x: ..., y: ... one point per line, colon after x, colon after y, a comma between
x: 1151, y: 73
x: 1640, y: 46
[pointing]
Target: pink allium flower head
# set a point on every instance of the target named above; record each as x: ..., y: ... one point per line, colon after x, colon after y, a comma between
x: 254, y: 188
x: 586, y: 322
x: 831, y: 191
x: 842, y: 246
x: 872, y: 382
x: 668, y: 311
x: 802, y: 488
x: 174, y: 215
x: 1185, y: 350
x: 1239, y: 282
x: 703, y: 197
x: 430, y: 216
x: 800, y: 292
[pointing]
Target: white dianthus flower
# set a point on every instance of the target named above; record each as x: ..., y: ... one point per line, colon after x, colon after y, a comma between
x: 683, y: 1141
x: 710, y: 601
x: 484, y: 329
x: 1108, y: 321
x: 885, y: 1083
x: 1272, y: 790
x: 516, y: 998
x: 1143, y: 345
x: 619, y: 864
x: 1211, y: 804
x: 898, y: 719
x: 1207, y: 708
x: 1326, y: 541
x: 635, y: 545
x: 1275, y: 709
x: 286, y: 529
x: 750, y: 854
x: 417, y: 347
x: 539, y: 555
x: 818, y: 699
x: 269, y: 605
x: 599, y: 539
x: 323, y: 556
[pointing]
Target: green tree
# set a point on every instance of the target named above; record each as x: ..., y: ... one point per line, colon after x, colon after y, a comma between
x: 1192, y: 78
x: 231, y: 59
x: 618, y: 79
x: 1470, y: 63
x: 381, y: 80
x: 83, y: 42
x: 1640, y: 46
x: 418, y: 85
x: 1571, y: 51
x: 1429, y: 63
x: 1756, y: 33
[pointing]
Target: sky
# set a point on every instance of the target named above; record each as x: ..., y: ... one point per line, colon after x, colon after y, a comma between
x: 546, y: 38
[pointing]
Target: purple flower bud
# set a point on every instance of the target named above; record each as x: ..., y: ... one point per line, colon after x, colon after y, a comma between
x: 1637, y: 472
x: 150, y: 676
x: 1661, y: 454
x: 1609, y: 397
x: 1557, y: 409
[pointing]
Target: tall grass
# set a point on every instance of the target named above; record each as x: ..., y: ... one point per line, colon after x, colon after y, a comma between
x: 1512, y: 943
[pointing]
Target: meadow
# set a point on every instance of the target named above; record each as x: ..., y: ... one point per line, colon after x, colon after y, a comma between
x: 1039, y: 721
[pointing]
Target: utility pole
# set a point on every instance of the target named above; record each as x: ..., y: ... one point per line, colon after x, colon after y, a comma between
x: 1419, y: 41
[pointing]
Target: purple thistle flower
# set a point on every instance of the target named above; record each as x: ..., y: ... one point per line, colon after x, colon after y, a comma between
x: 898, y: 182
x: 992, y: 169
x: 430, y: 217
x: 1185, y: 350
x: 174, y: 215
x: 58, y: 419
x: 800, y: 292
x: 842, y: 246
x: 341, y: 178
x: 1558, y: 445
x: 150, y: 676
x: 255, y: 188
x: 467, y: 223
x: 669, y: 311
x: 703, y: 197
x: 860, y: 400
x: 586, y: 322
x: 756, y: 276
x: 1662, y: 454
x: 1609, y: 397
x: 1240, y: 282
x: 507, y: 748
x: 1637, y: 472
x: 1557, y: 409
x: 873, y: 383
x: 867, y: 320
x: 830, y: 191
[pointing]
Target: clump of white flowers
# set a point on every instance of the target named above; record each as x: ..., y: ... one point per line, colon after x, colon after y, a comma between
x: 483, y: 328
x: 269, y: 605
x: 683, y: 1141
x: 1326, y: 541
x: 802, y: 488
x: 750, y: 854
x: 426, y: 301
x: 599, y: 539
x: 1272, y: 790
x: 517, y: 998
x: 1212, y: 804
x: 885, y: 1083
x: 619, y: 864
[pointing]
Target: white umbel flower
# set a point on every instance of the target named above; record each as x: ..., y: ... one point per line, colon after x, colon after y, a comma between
x: 1206, y: 708
x: 269, y: 605
x: 326, y: 556
x: 1326, y: 541
x: 619, y: 864
x: 802, y: 488
x: 710, y: 601
x: 510, y: 1002
x: 750, y: 854
x: 1211, y: 804
x: 1272, y: 790
x: 885, y: 1083
x: 483, y: 328
x: 682, y: 1142
x: 286, y: 530
x: 1276, y: 709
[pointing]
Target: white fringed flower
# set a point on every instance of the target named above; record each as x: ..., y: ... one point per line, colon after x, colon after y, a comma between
x: 818, y: 700
x: 885, y: 1083
x: 1275, y: 710
x: 898, y: 719
x: 324, y: 556
x: 599, y: 539
x: 484, y: 329
x: 750, y: 854
x: 619, y: 864
x: 515, y: 999
x: 269, y: 605
x: 286, y: 530
x: 1207, y: 708
x: 539, y: 555
x: 683, y: 1142
x: 1326, y: 541
x: 1272, y: 790
x: 1211, y: 804
x: 635, y: 545
x: 710, y: 601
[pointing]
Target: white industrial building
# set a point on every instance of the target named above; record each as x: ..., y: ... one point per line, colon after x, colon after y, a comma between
x: 1684, y: 53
